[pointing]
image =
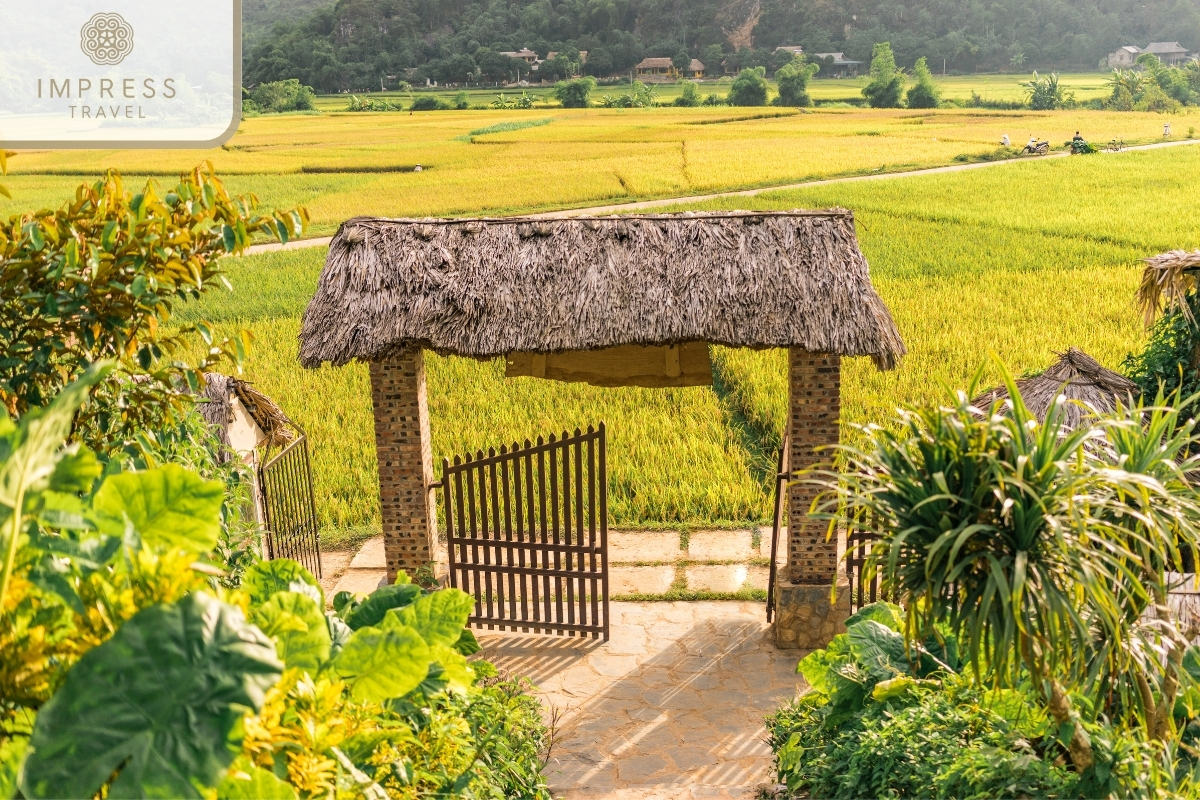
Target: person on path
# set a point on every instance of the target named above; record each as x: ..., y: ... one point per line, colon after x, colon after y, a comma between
x: 1004, y: 140
x: 1166, y: 129
x: 1076, y: 139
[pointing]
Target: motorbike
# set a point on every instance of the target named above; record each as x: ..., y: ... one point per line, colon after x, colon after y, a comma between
x: 1079, y: 147
x: 1036, y: 149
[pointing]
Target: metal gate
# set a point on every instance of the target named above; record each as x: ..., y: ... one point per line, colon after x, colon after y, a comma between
x: 864, y: 590
x: 527, y: 534
x: 289, y: 511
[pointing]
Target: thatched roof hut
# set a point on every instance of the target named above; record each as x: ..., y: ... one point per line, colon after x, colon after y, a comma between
x: 233, y: 403
x: 484, y: 288
x: 1078, y: 377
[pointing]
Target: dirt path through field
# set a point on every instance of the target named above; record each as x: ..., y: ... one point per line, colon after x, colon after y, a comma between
x: 643, y: 205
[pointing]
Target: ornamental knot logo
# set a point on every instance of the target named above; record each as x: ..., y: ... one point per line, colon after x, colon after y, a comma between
x: 106, y: 39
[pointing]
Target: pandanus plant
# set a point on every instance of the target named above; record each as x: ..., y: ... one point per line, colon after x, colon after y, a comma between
x: 1046, y: 550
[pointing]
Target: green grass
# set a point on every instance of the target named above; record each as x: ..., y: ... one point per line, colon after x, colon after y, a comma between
x: 506, y: 127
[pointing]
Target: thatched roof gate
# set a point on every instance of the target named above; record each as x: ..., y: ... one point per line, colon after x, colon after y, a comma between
x: 560, y: 298
x: 488, y: 287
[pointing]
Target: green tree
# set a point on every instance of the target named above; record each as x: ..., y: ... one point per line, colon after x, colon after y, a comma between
x: 680, y: 61
x: 924, y: 93
x: 576, y: 93
x: 93, y: 280
x: 792, y: 79
x: 749, y: 88
x: 887, y: 81
x: 280, y: 96
x: 711, y: 57
x: 690, y: 97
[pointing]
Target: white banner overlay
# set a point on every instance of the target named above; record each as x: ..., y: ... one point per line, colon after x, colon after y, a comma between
x: 119, y: 73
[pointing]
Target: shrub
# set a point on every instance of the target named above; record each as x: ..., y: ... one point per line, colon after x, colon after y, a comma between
x: 887, y: 82
x: 575, y: 93
x: 1044, y: 93
x: 690, y: 97
x: 749, y: 88
x: 428, y: 103
x: 713, y: 100
x: 1155, y: 99
x: 924, y: 93
x: 279, y: 96
x: 462, y: 101
x: 257, y: 692
x: 792, y: 79
x: 93, y: 280
x: 968, y: 505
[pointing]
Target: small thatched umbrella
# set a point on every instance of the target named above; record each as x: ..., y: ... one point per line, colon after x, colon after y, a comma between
x: 226, y: 397
x: 1078, y: 377
x: 1166, y: 281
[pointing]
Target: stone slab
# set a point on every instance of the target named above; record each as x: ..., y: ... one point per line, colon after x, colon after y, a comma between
x: 721, y: 546
x: 370, y: 555
x: 639, y: 546
x: 359, y: 581
x: 678, y: 715
x: 758, y: 577
x: 714, y: 578
x: 640, y: 580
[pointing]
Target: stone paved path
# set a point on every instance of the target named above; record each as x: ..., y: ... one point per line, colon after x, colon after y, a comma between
x: 671, y: 707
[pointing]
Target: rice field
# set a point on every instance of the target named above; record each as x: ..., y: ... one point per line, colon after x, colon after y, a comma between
x: 342, y: 165
x: 1020, y: 259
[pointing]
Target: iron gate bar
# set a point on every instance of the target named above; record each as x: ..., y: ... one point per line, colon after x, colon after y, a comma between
x: 781, y: 476
x: 515, y: 550
x: 289, y: 505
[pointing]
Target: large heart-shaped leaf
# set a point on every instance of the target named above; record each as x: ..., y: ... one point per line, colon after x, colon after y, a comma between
x: 168, y: 507
x: 371, y: 611
x: 382, y: 663
x: 438, y: 617
x: 298, y: 627
x: 268, y: 577
x: 248, y: 782
x: 162, y: 701
x: 879, y: 649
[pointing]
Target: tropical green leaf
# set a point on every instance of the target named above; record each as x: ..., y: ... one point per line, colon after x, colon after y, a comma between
x: 885, y: 613
x: 455, y: 669
x: 879, y: 649
x: 168, y: 507
x: 268, y: 577
x: 339, y: 633
x: 298, y: 627
x: 467, y: 644
x: 244, y: 781
x: 12, y: 751
x: 382, y: 663
x: 162, y: 701
x: 439, y: 617
x: 372, y: 610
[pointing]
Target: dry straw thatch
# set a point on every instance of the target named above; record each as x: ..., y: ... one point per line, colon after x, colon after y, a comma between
x: 218, y: 411
x: 1078, y: 377
x: 1166, y: 281
x: 487, y: 287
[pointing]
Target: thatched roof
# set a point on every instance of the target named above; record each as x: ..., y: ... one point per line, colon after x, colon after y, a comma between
x: 218, y: 411
x: 1077, y: 376
x: 487, y: 287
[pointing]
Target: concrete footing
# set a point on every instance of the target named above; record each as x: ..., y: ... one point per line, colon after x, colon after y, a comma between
x: 805, y: 619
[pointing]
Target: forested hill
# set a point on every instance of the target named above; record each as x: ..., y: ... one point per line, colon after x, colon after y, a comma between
x: 355, y: 43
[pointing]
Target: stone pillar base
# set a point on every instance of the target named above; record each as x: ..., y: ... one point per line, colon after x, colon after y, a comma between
x: 805, y: 619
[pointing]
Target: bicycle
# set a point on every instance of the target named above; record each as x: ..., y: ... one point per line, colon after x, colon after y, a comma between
x: 1116, y: 146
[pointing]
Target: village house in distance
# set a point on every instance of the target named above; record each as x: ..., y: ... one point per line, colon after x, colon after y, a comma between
x: 1170, y: 53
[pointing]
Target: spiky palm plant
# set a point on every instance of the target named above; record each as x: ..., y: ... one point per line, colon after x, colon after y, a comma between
x: 1041, y: 547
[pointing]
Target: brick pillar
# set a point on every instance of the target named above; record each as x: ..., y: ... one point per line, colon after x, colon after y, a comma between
x: 814, y: 414
x: 805, y: 617
x: 405, y: 454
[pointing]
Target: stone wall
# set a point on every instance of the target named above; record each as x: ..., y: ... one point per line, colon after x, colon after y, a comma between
x: 404, y: 450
